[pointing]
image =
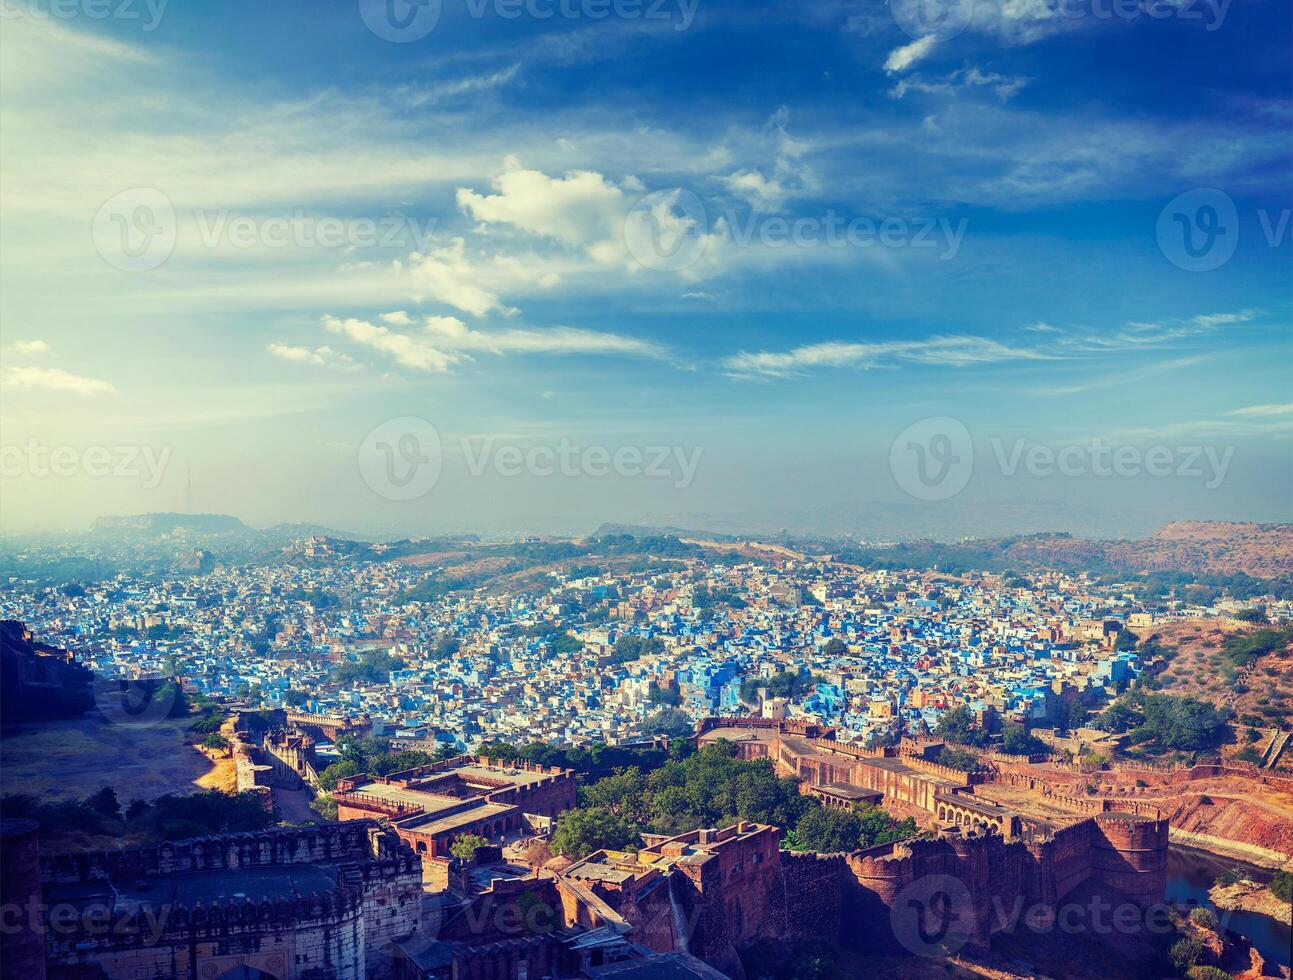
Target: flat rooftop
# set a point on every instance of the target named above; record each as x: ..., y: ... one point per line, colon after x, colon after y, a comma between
x: 517, y: 777
x: 189, y: 887
x: 849, y: 792
x: 429, y: 823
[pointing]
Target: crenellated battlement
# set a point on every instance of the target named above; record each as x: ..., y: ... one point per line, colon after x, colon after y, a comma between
x: 353, y: 840
x: 225, y: 917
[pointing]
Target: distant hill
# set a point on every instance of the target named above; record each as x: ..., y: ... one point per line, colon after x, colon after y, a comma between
x: 1217, y: 549
x: 295, y: 531
x: 643, y: 531
x: 163, y: 523
x: 1200, y: 547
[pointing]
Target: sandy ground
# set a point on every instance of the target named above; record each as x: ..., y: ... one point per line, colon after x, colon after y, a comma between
x: 75, y: 758
x: 294, y: 805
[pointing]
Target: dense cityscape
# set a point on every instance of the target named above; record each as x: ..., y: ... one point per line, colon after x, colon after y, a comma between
x: 604, y: 656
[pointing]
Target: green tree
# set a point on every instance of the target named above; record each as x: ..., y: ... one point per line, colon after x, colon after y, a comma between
x: 623, y: 794
x: 630, y: 648
x: 960, y: 759
x: 1185, y: 952
x: 1282, y: 885
x: 586, y: 829
x: 464, y: 848
x: 371, y: 668
x: 957, y: 725
x: 668, y: 721
x: 828, y: 831
x: 325, y: 806
x: 1017, y: 740
x: 1204, y: 918
x: 338, y: 770
x: 105, y: 802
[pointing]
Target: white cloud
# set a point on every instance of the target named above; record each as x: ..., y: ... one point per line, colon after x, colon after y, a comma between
x: 445, y: 340
x: 452, y: 334
x: 790, y: 176
x: 308, y: 355
x: 764, y: 194
x: 580, y: 209
x: 949, y: 351
x: 54, y: 379
x: 962, y: 351
x: 29, y: 347
x: 956, y: 83
x: 900, y: 59
x: 416, y: 97
x: 473, y: 282
x: 410, y: 352
x: 1263, y: 411
x: 1140, y: 334
x: 1100, y: 380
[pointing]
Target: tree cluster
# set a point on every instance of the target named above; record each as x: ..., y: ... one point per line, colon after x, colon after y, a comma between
x: 712, y: 788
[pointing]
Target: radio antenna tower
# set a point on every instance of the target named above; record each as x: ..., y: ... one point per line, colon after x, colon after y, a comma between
x: 188, y: 488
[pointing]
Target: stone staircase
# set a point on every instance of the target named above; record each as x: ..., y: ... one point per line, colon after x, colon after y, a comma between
x: 1279, y: 742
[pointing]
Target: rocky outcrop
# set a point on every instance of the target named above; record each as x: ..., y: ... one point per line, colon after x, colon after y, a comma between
x: 1250, y: 896
x: 39, y: 682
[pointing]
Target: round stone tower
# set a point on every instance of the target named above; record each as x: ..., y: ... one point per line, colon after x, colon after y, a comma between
x: 22, y: 941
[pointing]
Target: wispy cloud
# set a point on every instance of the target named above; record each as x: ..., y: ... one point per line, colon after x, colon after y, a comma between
x: 1053, y: 344
x: 1263, y: 411
x: 309, y: 355
x: 1115, y: 379
x: 900, y: 59
x: 948, y: 351
x: 29, y: 347
x: 1003, y: 87
x: 1138, y: 335
x: 445, y: 340
x: 53, y: 379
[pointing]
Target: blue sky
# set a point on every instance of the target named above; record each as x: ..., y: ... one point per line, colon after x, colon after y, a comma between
x: 979, y: 222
